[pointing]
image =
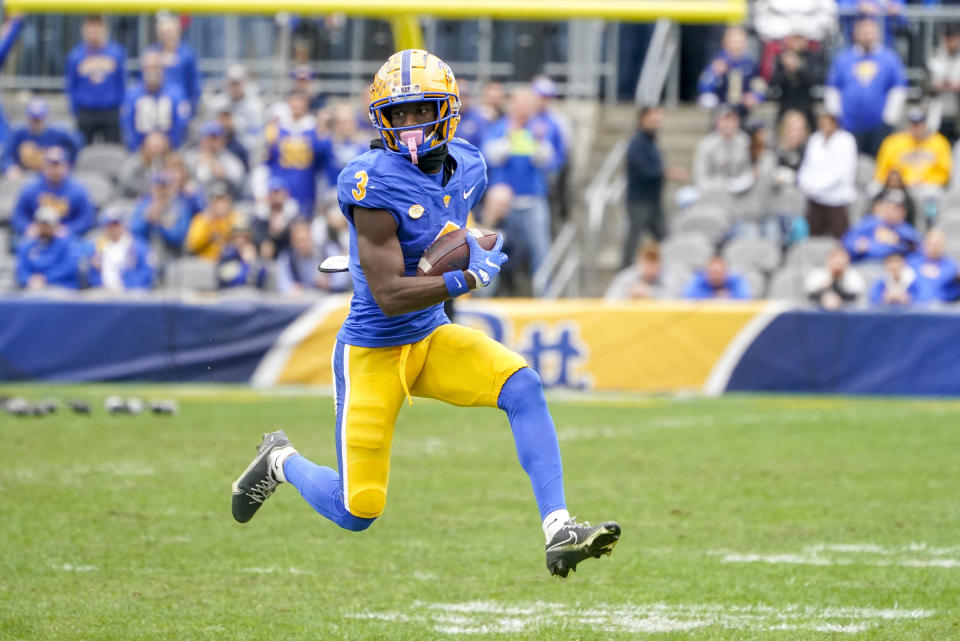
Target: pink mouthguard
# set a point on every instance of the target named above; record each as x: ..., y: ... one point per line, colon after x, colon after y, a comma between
x: 412, y: 139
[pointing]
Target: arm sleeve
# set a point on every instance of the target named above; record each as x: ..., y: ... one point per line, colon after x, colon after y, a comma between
x: 83, y: 221
x: 285, y: 278
x: 884, y: 162
x: 126, y: 123
x: 10, y: 38
x: 193, y: 87
x: 22, y: 212
x: 708, y: 81
x: 876, y: 292
x: 8, y: 159
x: 23, y: 271
x: 198, y: 236
x: 176, y: 234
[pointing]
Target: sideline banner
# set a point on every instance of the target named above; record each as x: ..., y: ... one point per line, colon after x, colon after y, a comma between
x: 646, y: 347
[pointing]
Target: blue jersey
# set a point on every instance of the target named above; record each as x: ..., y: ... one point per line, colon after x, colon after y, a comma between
x: 298, y: 158
x: 864, y: 79
x: 143, y: 112
x: 96, y: 77
x: 69, y: 199
x: 25, y: 148
x: 423, y: 209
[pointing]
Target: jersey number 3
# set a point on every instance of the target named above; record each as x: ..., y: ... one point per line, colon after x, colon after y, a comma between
x: 361, y: 191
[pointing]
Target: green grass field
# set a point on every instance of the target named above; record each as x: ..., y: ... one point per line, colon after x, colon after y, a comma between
x: 743, y: 518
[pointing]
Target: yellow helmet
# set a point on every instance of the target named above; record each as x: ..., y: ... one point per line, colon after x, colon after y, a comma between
x: 414, y: 75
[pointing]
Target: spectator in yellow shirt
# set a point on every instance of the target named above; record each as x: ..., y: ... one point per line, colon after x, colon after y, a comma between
x: 922, y: 157
x: 211, y: 228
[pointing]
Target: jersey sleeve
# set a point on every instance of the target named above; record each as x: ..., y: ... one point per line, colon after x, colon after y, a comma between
x: 361, y: 185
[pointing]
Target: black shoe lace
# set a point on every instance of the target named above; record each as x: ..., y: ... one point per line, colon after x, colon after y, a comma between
x: 262, y: 490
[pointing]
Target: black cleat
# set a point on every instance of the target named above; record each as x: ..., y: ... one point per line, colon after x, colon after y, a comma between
x: 578, y: 541
x: 259, y: 480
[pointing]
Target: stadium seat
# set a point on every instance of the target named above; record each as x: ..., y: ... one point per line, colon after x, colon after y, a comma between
x: 950, y: 203
x: 866, y: 169
x: 9, y: 191
x: 756, y: 281
x: 753, y: 253
x: 686, y: 250
x: 103, y: 158
x: 953, y: 248
x: 859, y: 207
x: 790, y: 201
x: 191, y: 274
x: 675, y: 280
x: 8, y: 279
x: 810, y: 253
x: 98, y: 185
x: 872, y: 271
x: 787, y: 284
x: 5, y: 237
x: 710, y: 220
x: 951, y: 226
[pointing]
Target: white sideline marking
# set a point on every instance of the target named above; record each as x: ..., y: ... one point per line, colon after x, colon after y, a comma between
x: 912, y: 555
x: 69, y: 567
x: 276, y: 570
x: 492, y: 617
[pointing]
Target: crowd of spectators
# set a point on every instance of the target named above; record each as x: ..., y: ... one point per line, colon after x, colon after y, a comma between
x: 215, y: 179
x: 861, y: 169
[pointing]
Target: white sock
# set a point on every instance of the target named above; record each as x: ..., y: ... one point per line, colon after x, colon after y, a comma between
x: 553, y: 523
x: 277, y: 458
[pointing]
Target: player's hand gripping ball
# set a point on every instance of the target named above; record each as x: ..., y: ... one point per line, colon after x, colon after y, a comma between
x: 473, y: 250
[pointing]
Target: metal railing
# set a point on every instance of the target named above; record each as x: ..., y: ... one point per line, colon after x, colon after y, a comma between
x: 571, y: 268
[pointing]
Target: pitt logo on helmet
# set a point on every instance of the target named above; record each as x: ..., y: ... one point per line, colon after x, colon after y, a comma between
x: 408, y: 76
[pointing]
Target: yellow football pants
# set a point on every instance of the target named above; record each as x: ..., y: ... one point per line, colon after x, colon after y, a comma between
x: 454, y: 364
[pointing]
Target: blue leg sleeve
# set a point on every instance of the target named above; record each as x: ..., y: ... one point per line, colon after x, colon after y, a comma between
x: 523, y: 401
x: 320, y: 487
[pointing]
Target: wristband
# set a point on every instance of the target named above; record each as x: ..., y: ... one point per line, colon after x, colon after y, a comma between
x: 456, y: 283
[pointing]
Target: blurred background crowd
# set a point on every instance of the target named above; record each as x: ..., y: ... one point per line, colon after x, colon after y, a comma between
x: 821, y: 165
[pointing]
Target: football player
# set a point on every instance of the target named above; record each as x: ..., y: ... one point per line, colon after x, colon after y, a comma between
x: 415, y: 183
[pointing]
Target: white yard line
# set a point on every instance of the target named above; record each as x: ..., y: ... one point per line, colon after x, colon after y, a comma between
x: 912, y: 555
x: 492, y: 617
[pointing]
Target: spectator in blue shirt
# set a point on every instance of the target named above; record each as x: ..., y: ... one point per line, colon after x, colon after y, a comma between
x: 179, y: 60
x: 56, y: 189
x: 477, y: 119
x: 96, y: 82
x: 884, y: 231
x: 299, y: 156
x: 898, y: 287
x: 48, y: 259
x: 119, y: 261
x: 519, y: 153
x: 715, y: 282
x: 732, y: 77
x: 162, y: 218
x: 888, y: 12
x: 937, y: 279
x: 151, y: 105
x: 867, y: 88
x: 8, y: 37
x: 27, y: 143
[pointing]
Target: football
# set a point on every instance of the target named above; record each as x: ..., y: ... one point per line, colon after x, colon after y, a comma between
x: 450, y: 252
